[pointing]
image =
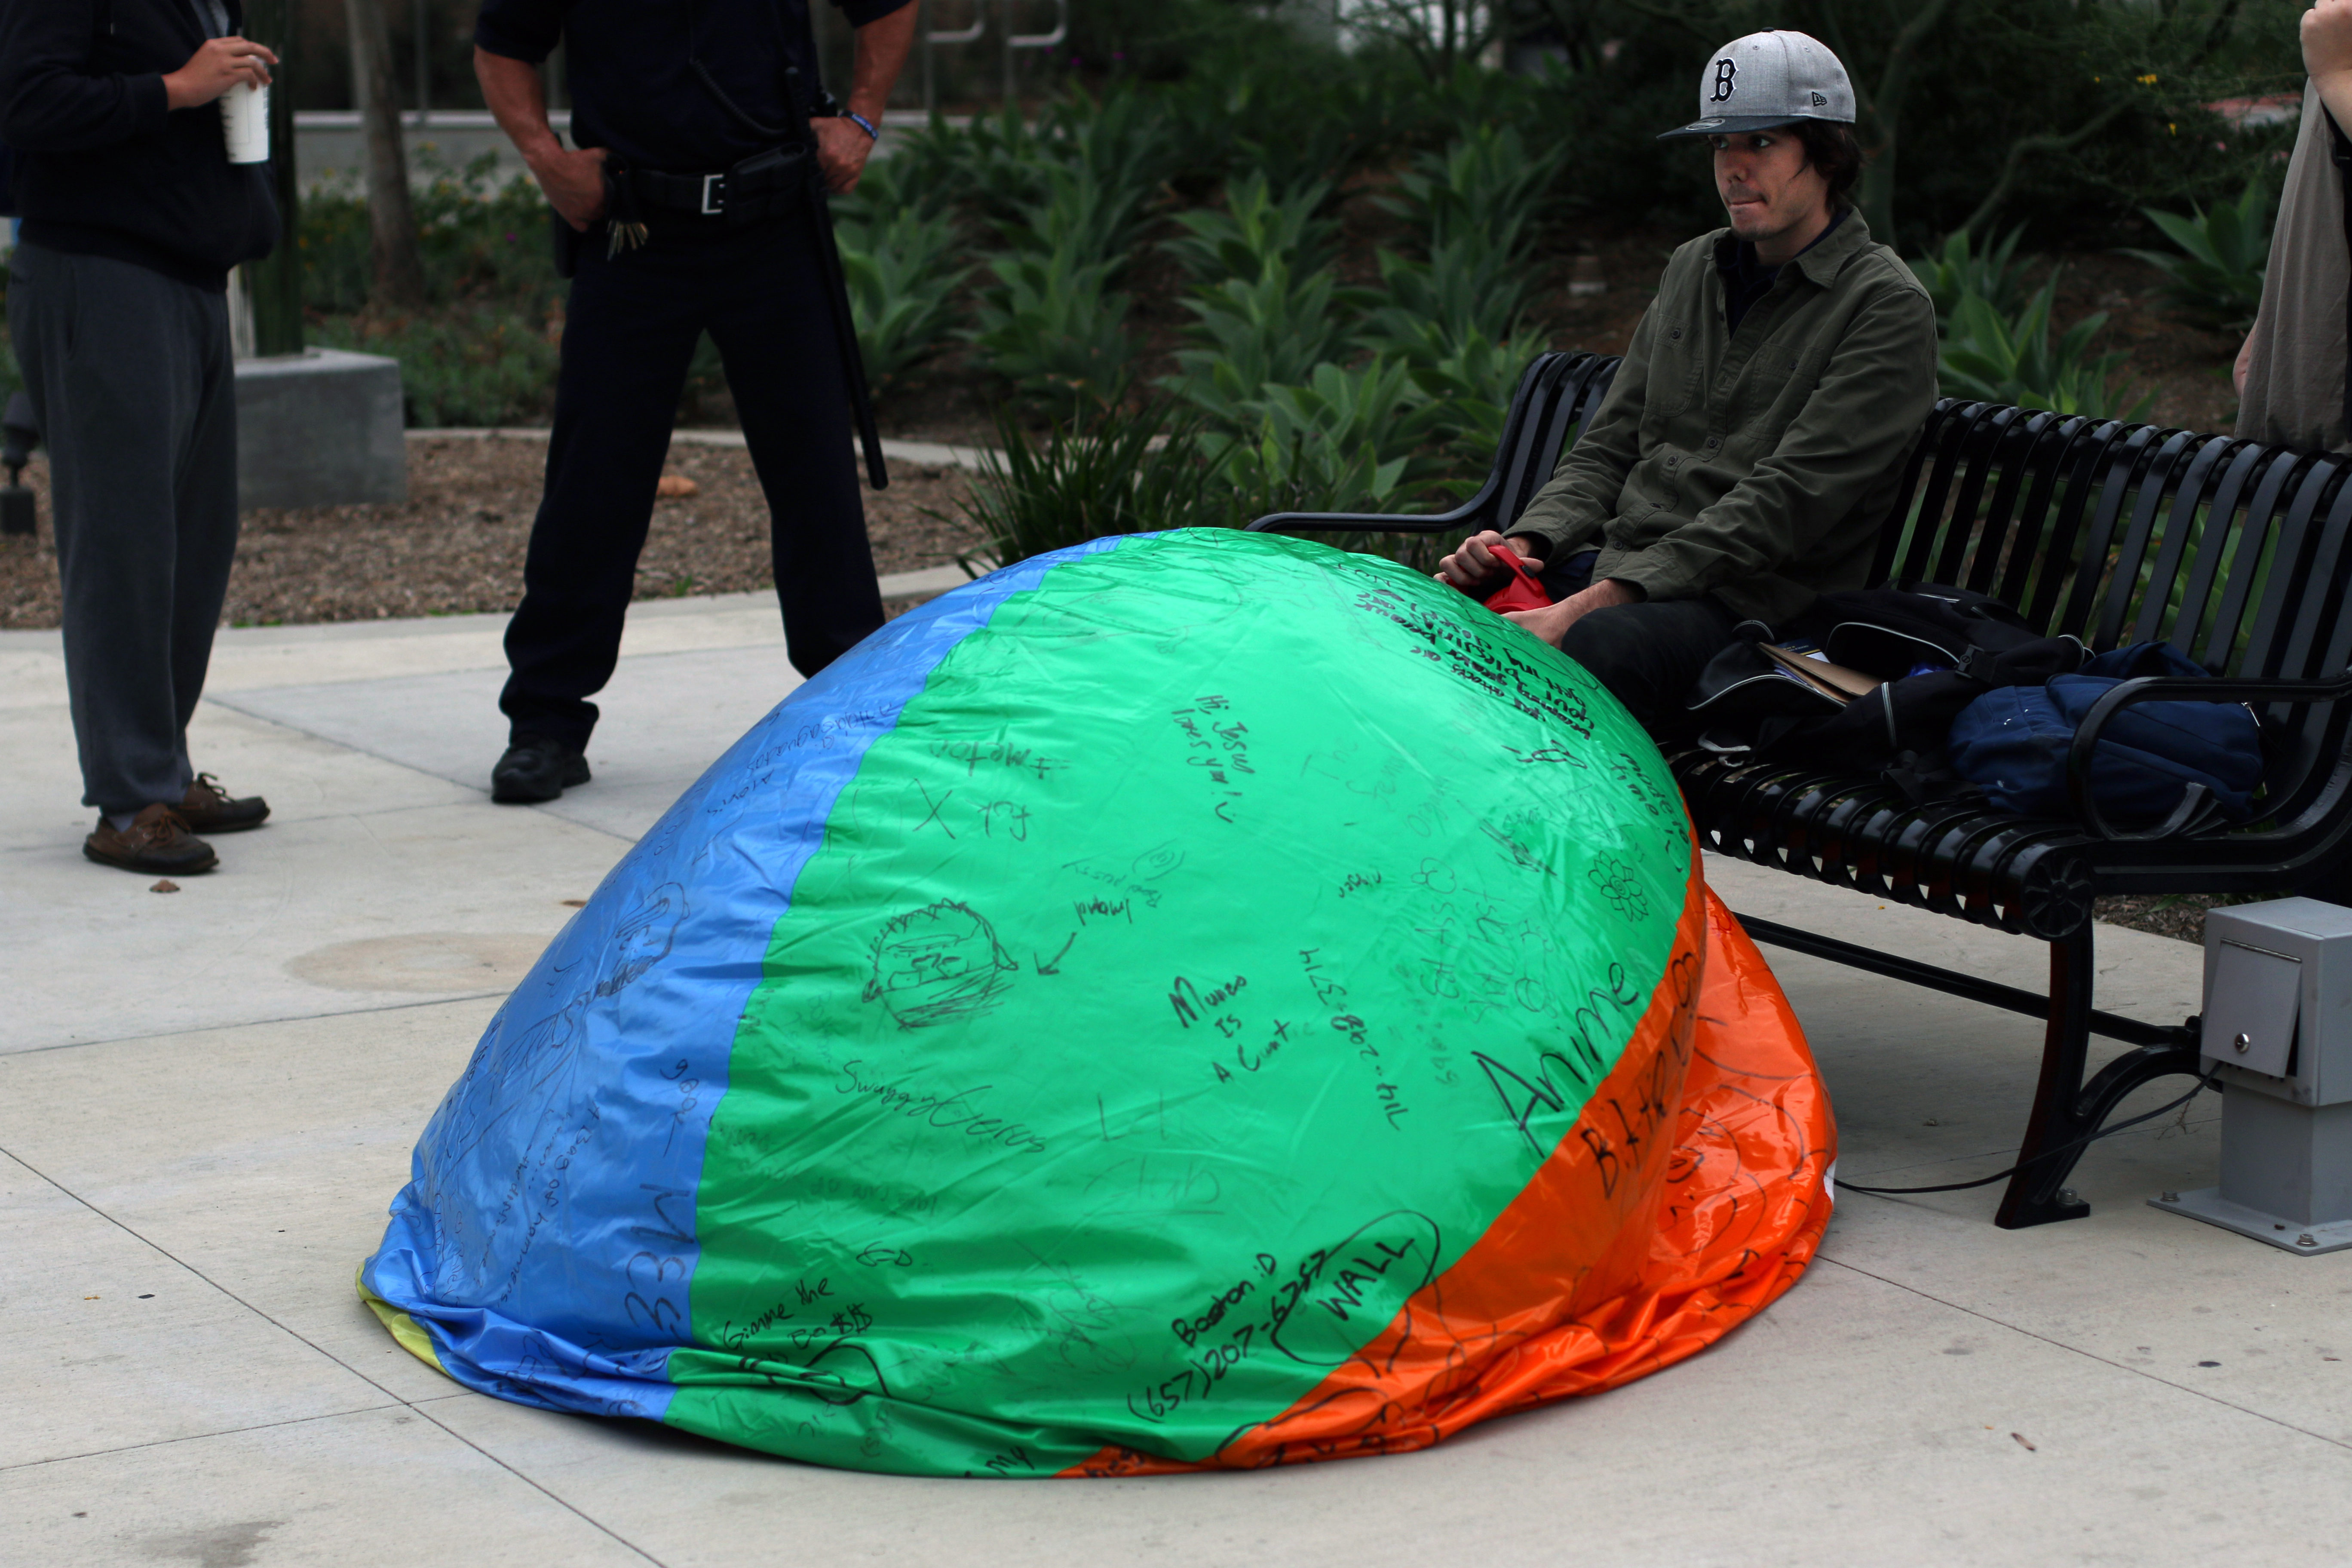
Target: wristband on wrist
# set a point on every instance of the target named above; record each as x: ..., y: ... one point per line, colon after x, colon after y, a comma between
x: 873, y: 132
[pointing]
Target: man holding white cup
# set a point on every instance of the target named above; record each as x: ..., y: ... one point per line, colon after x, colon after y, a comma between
x: 133, y: 214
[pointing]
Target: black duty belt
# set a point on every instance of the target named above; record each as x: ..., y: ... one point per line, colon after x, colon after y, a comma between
x: 761, y: 186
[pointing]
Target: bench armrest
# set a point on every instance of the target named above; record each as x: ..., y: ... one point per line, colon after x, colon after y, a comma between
x: 1369, y: 522
x: 2173, y: 689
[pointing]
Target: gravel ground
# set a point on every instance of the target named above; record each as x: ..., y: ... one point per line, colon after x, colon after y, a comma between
x: 2179, y: 915
x: 458, y: 545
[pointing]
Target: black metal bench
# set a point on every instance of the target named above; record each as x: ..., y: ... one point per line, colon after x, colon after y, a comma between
x: 2237, y: 553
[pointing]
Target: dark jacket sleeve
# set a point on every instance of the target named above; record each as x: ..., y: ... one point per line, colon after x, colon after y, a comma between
x: 1572, y: 508
x: 49, y: 100
x: 520, y: 29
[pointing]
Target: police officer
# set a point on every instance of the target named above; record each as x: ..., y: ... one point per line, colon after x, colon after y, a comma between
x: 688, y: 224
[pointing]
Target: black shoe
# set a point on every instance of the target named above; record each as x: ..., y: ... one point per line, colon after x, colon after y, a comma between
x: 534, y: 769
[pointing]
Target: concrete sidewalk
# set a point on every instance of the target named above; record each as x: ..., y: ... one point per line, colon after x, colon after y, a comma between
x: 207, y: 1098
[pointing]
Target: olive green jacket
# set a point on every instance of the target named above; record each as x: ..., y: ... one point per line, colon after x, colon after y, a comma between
x: 1755, y: 466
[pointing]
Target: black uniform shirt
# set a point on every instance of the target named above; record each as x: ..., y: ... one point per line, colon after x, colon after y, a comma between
x: 631, y: 85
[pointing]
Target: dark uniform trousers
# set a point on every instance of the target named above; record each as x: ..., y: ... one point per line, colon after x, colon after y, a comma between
x: 629, y: 336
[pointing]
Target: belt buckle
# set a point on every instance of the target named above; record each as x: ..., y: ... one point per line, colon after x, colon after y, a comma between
x: 712, y: 185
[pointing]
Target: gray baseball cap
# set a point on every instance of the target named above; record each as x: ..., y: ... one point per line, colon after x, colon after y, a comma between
x: 1768, y: 79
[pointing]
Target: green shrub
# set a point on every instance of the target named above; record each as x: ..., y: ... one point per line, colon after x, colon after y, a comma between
x: 465, y: 365
x: 1997, y: 276
x: 1467, y: 290
x: 1107, y: 470
x: 1272, y: 329
x: 2217, y: 273
x: 1997, y: 359
x: 1256, y: 228
x: 1487, y: 186
x: 1348, y: 440
x: 1055, y: 327
x: 903, y: 292
x: 481, y: 238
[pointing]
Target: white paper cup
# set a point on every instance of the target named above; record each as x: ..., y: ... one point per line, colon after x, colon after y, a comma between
x: 245, y: 120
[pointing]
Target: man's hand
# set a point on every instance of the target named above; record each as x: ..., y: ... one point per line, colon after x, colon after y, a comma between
x: 573, y: 181
x: 841, y: 150
x: 2327, y: 54
x: 883, y: 45
x: 1552, y: 622
x: 1474, y: 569
x: 220, y: 65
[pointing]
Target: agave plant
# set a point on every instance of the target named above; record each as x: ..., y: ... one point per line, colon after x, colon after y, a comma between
x: 1256, y: 228
x: 1347, y: 440
x: 2216, y: 273
x: 1054, y: 327
x: 1469, y: 288
x: 2003, y: 358
x: 902, y: 292
x: 1487, y: 185
x: 1997, y: 274
x: 1271, y: 329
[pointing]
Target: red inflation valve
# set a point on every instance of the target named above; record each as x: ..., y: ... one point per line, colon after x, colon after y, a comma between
x: 1522, y: 591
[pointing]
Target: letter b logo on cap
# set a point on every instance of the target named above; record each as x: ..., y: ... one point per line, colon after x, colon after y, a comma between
x: 1725, y: 72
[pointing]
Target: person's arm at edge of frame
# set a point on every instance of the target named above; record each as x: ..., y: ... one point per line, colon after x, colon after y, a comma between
x: 1872, y: 397
x: 2327, y: 54
x: 1569, y: 513
x: 885, y: 35
x: 2327, y: 59
x: 51, y: 101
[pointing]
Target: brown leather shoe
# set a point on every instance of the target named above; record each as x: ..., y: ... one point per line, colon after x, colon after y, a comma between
x: 157, y: 841
x: 207, y: 808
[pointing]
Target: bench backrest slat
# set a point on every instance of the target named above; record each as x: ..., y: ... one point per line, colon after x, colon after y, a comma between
x: 1557, y: 396
x: 2090, y: 449
x: 2197, y: 537
x: 2253, y: 560
x: 2052, y: 437
x: 2289, y: 590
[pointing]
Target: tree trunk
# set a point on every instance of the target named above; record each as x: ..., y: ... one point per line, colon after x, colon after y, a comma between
x: 399, y: 271
x: 278, y: 278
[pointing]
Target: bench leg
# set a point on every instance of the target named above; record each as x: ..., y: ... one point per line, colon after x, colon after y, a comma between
x: 2067, y: 1111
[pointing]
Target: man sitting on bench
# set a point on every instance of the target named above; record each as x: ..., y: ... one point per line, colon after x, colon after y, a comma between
x: 1756, y: 433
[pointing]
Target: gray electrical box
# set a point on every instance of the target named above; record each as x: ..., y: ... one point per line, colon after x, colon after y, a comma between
x: 2278, y: 1036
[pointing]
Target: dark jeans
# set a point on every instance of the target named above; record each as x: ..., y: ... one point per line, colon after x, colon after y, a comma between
x: 628, y: 339
x: 130, y: 380
x: 1647, y: 654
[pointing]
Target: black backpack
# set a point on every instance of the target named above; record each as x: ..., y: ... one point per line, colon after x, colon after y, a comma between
x: 1935, y: 650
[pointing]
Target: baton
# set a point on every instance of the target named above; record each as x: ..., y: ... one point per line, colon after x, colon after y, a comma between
x: 828, y: 252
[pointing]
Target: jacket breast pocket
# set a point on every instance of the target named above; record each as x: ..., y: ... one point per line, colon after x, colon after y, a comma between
x: 1674, y: 375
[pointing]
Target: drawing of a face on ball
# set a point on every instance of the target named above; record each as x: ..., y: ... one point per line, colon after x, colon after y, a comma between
x: 939, y: 965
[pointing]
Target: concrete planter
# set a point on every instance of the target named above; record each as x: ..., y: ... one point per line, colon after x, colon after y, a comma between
x: 323, y: 428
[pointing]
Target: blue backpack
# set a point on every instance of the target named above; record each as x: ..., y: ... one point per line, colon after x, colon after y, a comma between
x: 2013, y: 743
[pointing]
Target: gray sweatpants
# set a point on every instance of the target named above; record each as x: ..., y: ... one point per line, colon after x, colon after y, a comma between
x: 130, y: 377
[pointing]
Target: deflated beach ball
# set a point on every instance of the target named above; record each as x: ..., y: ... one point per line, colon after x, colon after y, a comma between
x: 1192, y: 1000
